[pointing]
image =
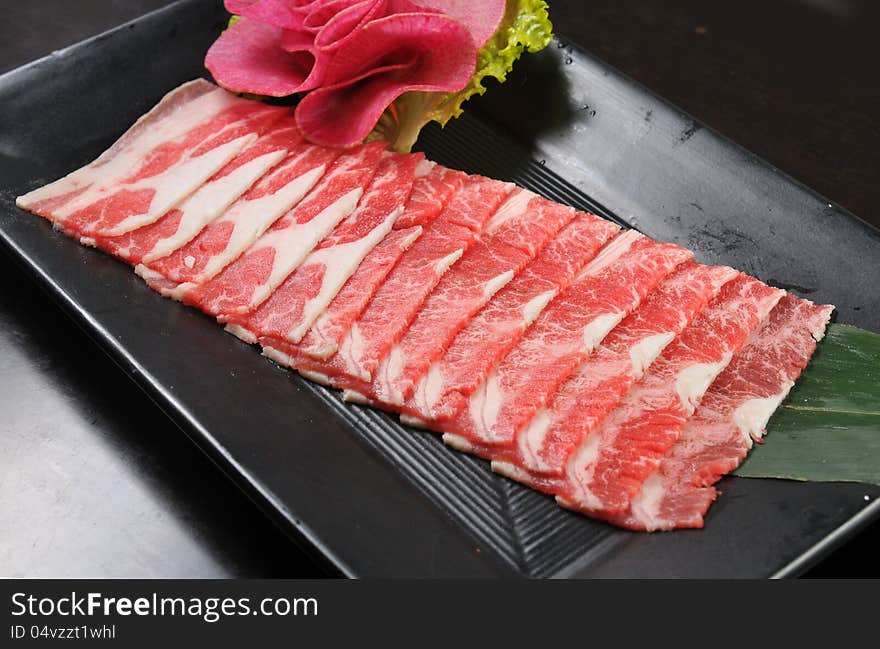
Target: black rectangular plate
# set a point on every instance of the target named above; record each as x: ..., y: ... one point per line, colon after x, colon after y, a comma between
x: 373, y: 498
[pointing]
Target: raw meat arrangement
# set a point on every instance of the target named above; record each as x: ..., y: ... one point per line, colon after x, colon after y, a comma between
x: 612, y: 371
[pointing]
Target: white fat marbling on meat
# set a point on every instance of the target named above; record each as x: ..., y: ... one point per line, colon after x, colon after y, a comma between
x: 457, y: 442
x: 485, y: 405
x: 148, y: 274
x: 424, y: 168
x: 251, y: 218
x: 514, y: 207
x: 351, y: 349
x: 277, y: 356
x: 496, y: 284
x: 444, y: 264
x: 388, y: 373
x: 532, y: 441
x: 211, y: 200
x: 353, y: 396
x: 594, y: 332
x: 646, y: 351
x: 176, y: 183
x: 240, y: 332
x: 752, y: 416
x: 581, y: 467
x: 645, y: 506
x: 533, y: 307
x: 430, y: 388
x: 510, y: 471
x: 126, y: 155
x: 692, y: 382
x: 340, y: 262
x: 292, y: 244
x: 415, y: 422
x: 316, y: 377
x: 618, y: 246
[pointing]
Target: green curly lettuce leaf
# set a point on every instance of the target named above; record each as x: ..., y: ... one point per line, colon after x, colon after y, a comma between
x: 526, y: 26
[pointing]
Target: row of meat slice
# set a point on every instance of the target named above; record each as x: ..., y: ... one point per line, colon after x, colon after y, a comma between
x: 602, y: 367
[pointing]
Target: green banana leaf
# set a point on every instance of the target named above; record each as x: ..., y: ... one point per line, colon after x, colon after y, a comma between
x: 828, y: 428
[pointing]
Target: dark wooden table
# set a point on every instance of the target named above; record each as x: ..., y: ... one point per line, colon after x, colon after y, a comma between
x: 105, y: 485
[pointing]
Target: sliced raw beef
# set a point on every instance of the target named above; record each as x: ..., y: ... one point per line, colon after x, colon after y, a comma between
x: 512, y: 237
x: 245, y: 283
x: 606, y: 290
x: 398, y: 299
x: 321, y: 340
x: 290, y: 310
x: 607, y: 369
x: 608, y: 469
x: 126, y: 154
x: 224, y: 239
x: 432, y: 189
x: 192, y: 133
x: 181, y: 224
x: 598, y: 385
x: 328, y: 331
x: 497, y: 327
x: 733, y: 412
